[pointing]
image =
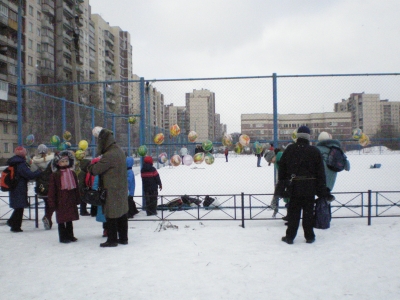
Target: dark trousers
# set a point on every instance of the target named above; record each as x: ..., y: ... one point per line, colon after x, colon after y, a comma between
x: 83, y: 208
x: 296, y: 205
x: 151, y: 202
x: 15, y: 220
x: 117, y: 229
x: 65, y: 231
x: 93, y: 210
x: 48, y: 211
x: 132, y: 207
x: 226, y: 158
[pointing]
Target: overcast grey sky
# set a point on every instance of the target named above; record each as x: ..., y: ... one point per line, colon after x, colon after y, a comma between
x: 227, y: 38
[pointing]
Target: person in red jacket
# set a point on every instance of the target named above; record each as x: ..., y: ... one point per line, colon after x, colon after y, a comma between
x: 151, y: 181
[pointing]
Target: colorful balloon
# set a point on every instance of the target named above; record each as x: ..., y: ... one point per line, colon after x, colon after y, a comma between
x: 62, y: 146
x: 364, y: 140
x: 96, y: 131
x: 244, y: 140
x: 192, y: 136
x: 55, y: 140
x: 294, y: 135
x: 30, y: 139
x: 209, y: 159
x: 83, y: 145
x: 176, y: 160
x: 187, y: 160
x: 175, y: 130
x: 142, y: 150
x: 80, y: 154
x: 131, y: 120
x: 67, y: 136
x: 257, y: 147
x: 227, y: 140
x: 198, y: 158
x: 163, y: 158
x: 159, y: 138
x: 238, y: 148
x: 207, y: 145
x: 357, y: 133
x: 68, y: 145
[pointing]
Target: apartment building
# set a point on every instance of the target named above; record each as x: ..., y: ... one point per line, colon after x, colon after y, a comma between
x: 200, y: 114
x: 175, y: 115
x: 371, y: 114
x: 260, y: 126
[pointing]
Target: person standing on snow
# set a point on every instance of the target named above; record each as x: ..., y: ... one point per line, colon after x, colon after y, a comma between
x: 151, y: 182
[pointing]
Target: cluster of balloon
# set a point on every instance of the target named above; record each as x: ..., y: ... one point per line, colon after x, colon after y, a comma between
x: 142, y: 150
x: 30, y: 139
x: 207, y: 145
x: 176, y: 160
x: 67, y: 136
x: 80, y: 154
x: 227, y: 140
x: 257, y: 147
x: 187, y: 160
x: 96, y: 131
x: 132, y: 120
x: 83, y: 145
x: 238, y: 148
x: 244, y: 140
x: 198, y: 158
x: 209, y: 158
x: 192, y: 136
x: 163, y: 158
x: 174, y: 130
x: 159, y: 139
x: 362, y: 138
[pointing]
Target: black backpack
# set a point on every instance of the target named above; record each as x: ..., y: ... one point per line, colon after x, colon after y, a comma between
x: 336, y: 160
x: 9, y: 178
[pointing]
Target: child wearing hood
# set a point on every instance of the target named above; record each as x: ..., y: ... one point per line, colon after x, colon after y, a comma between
x: 131, y: 188
x: 64, y: 195
x: 151, y: 181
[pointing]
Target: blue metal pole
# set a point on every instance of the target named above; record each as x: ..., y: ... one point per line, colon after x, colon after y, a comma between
x: 105, y: 105
x: 141, y: 127
x: 93, y: 138
x: 113, y: 125
x: 63, y: 111
x: 275, y: 108
x: 19, y: 71
x: 129, y: 138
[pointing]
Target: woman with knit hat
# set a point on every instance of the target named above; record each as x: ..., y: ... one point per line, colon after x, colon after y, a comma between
x: 42, y: 161
x: 151, y: 181
x: 19, y: 196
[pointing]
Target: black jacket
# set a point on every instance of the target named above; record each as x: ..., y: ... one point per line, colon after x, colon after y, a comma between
x: 150, y: 178
x: 305, y: 161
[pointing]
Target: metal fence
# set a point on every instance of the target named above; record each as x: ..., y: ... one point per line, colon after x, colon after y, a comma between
x: 244, y: 207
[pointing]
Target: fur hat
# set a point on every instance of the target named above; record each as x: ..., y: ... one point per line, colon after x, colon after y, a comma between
x: 303, y: 132
x: 60, y: 155
x: 324, y: 136
x: 148, y: 160
x: 42, y: 149
x: 20, y: 151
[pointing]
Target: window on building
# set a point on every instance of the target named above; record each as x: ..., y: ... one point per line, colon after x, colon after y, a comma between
x: 30, y: 61
x: 30, y: 27
x: 30, y: 10
x: 30, y: 44
x: 3, y: 10
x: 14, y: 129
x: 39, y: 16
x: 5, y: 128
x: 37, y: 47
x: 6, y: 148
x: 38, y: 31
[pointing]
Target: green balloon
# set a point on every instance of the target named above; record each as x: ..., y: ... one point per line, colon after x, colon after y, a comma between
x: 142, y: 150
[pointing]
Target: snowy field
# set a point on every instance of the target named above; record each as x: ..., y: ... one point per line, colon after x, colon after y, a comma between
x: 214, y: 259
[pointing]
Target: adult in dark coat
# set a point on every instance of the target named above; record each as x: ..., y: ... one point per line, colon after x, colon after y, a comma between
x: 19, y: 196
x: 64, y: 195
x: 151, y: 182
x: 112, y: 170
x: 304, y: 163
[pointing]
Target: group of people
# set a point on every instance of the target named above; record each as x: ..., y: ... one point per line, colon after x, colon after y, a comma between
x: 303, y: 169
x: 61, y: 179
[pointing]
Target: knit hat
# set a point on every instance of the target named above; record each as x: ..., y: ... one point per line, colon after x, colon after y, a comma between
x: 148, y: 160
x: 42, y: 149
x: 20, y: 151
x: 303, y: 132
x: 61, y: 155
x: 324, y: 136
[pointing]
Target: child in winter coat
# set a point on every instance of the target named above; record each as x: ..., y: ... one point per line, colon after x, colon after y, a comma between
x: 42, y: 161
x: 93, y: 182
x: 151, y: 181
x: 131, y: 188
x: 64, y: 195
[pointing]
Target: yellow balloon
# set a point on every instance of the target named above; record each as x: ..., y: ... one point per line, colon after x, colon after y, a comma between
x: 83, y: 145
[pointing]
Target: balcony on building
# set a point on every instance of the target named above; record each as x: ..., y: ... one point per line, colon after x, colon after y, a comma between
x: 78, y: 21
x: 68, y: 12
x: 47, y: 9
x: 108, y: 36
x: 79, y: 9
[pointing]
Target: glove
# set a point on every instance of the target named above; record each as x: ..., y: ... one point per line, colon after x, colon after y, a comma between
x: 160, y: 187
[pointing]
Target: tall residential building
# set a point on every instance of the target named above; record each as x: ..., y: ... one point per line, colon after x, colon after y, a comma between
x: 175, y: 115
x: 371, y: 114
x: 153, y: 111
x: 8, y: 78
x: 260, y: 126
x: 200, y: 114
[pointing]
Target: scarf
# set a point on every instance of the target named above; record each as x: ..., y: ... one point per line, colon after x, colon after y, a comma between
x: 67, y: 179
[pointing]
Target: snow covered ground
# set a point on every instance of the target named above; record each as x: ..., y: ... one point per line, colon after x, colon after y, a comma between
x: 214, y: 259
